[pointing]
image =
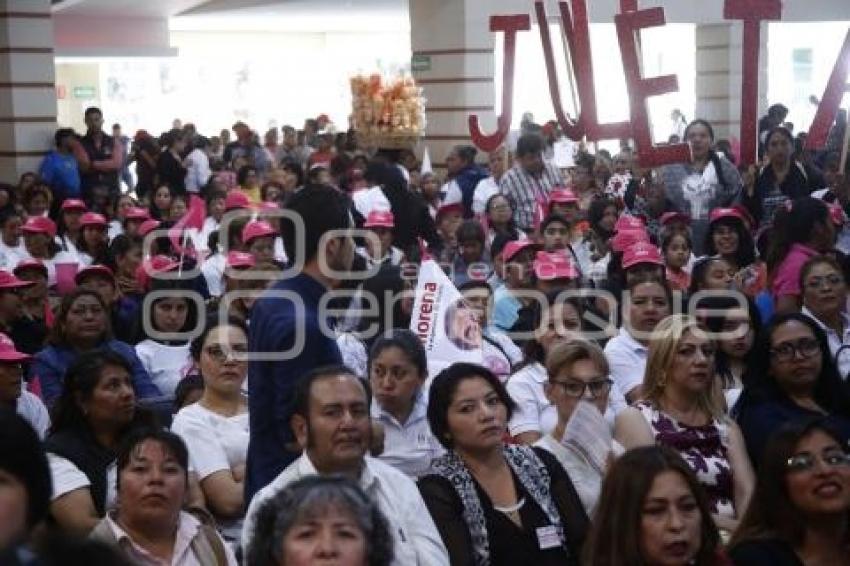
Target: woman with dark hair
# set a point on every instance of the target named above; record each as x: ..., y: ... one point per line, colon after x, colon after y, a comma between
x: 800, y: 511
x: 37, y: 200
x: 499, y: 217
x: 781, y: 180
x: 95, y: 411
x: 729, y: 237
x: 792, y: 377
x: 464, y: 175
x: 593, y: 251
x: 93, y: 242
x: 825, y: 299
x: 709, y: 181
x: 39, y: 234
x: 397, y: 371
x: 320, y: 515
x: 711, y: 273
x: 82, y: 325
x: 171, y: 165
x: 801, y: 230
x: 215, y: 429
x: 249, y: 183
x: 495, y: 503
x: 25, y: 486
x: 160, y: 205
x: 148, y: 524
x: 652, y: 510
x: 68, y: 228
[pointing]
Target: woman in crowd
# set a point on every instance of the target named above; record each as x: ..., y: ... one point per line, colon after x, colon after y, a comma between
x: 37, y: 200
x: 148, y: 524
x: 82, y: 325
x: 801, y: 504
x: 249, y: 183
x: 495, y: 503
x: 397, y: 371
x: 171, y: 167
x: 709, y: 181
x: 676, y: 249
x: 781, y: 180
x: 593, y: 251
x: 39, y: 234
x: 92, y: 416
x: 793, y: 377
x: 164, y: 351
x: 499, y: 217
x: 122, y: 204
x: 12, y: 248
x: 160, y: 206
x: 825, y: 300
x: 556, y: 321
x: 318, y: 516
x: 215, y: 211
x: 578, y: 371
x: 678, y: 410
x: 801, y: 230
x: 29, y: 331
x: 711, y: 273
x: 729, y: 238
x: 125, y: 258
x: 93, y: 244
x: 68, y: 229
x: 652, y: 510
x: 24, y: 487
x: 646, y: 304
x: 215, y: 429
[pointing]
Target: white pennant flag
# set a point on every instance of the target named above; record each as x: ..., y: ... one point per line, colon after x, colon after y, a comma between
x: 426, y: 162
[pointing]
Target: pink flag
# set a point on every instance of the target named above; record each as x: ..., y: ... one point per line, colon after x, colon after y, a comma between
x: 194, y: 218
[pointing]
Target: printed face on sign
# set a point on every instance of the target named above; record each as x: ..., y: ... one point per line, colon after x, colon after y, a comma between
x: 462, y: 326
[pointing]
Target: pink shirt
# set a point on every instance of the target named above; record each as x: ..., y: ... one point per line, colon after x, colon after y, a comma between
x: 787, y: 279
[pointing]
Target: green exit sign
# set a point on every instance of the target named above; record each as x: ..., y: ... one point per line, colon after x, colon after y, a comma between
x: 85, y: 92
x: 420, y: 63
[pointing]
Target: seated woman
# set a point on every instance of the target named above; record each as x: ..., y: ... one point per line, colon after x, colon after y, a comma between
x: 678, y: 410
x: 320, y: 515
x: 397, y: 369
x: 148, y: 526
x: 825, y: 300
x: 801, y: 503
x: 82, y: 325
x: 92, y: 416
x: 495, y: 503
x: 215, y: 429
x: 645, y: 305
x: 711, y: 273
x: 578, y: 371
x: 794, y: 377
x: 653, y: 511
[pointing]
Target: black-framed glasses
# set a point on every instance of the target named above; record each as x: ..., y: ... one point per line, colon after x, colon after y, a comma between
x: 575, y: 388
x: 805, y: 461
x: 806, y: 347
x: 817, y: 282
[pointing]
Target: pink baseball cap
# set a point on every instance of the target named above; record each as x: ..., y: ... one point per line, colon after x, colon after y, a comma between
x: 8, y: 351
x: 515, y: 246
x: 641, y: 252
x: 624, y: 239
x: 733, y: 212
x: 554, y: 265
x: 236, y: 199
x: 669, y: 217
x: 380, y: 219
x: 240, y: 260
x: 148, y: 226
x: 93, y: 219
x: 39, y: 225
x: 137, y: 213
x: 562, y: 196
x: 152, y: 266
x: 257, y: 229
x: 30, y: 264
x: 629, y: 223
x: 74, y: 204
x: 9, y: 281
x: 446, y: 209
x: 100, y: 270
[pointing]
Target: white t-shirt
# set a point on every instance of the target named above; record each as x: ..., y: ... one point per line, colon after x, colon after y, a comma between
x: 367, y: 200
x: 166, y: 365
x: 67, y: 477
x: 31, y: 408
x: 534, y: 412
x: 485, y: 189
x: 10, y: 256
x: 213, y: 270
x: 627, y: 359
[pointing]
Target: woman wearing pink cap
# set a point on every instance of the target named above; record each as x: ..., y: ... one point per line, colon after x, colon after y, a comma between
x: 39, y: 233
x: 93, y: 241
x: 68, y: 229
x: 382, y: 224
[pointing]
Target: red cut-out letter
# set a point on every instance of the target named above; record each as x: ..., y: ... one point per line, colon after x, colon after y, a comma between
x: 831, y: 100
x: 640, y: 89
x: 578, y: 38
x: 510, y: 25
x: 752, y: 12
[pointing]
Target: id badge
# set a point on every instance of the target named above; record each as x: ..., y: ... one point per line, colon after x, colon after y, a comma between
x: 547, y: 537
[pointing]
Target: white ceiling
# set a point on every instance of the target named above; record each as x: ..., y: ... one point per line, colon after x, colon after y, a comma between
x: 126, y: 8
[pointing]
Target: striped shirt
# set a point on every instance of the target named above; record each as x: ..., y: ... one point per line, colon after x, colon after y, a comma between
x: 525, y: 191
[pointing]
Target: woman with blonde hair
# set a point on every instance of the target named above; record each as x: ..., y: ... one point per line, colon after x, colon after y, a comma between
x: 678, y: 410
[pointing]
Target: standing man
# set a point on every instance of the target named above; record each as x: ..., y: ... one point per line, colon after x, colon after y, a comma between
x: 528, y: 183
x: 290, y: 151
x: 246, y: 150
x: 60, y: 169
x: 294, y: 325
x: 125, y: 155
x: 102, y: 158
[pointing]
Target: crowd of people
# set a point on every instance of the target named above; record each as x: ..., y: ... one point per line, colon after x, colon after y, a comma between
x: 206, y: 354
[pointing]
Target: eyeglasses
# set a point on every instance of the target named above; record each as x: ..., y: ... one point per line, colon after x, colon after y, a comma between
x: 805, y: 461
x: 819, y: 281
x: 238, y: 352
x: 806, y: 347
x: 575, y: 388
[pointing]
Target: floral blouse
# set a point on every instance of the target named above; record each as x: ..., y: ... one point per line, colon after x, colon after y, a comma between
x: 704, y: 448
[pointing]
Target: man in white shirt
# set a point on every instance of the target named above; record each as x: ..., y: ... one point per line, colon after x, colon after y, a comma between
x: 331, y: 424
x: 12, y: 392
x: 486, y: 188
x: 199, y: 172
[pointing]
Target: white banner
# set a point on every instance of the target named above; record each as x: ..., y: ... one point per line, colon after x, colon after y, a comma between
x: 445, y: 324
